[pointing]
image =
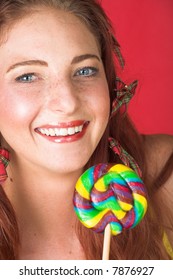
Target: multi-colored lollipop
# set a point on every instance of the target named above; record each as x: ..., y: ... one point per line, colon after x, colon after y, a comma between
x: 112, y: 195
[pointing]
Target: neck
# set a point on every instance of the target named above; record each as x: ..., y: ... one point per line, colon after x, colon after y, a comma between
x: 43, y: 202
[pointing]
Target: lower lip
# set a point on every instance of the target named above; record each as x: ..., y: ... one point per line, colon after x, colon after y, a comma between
x: 65, y: 139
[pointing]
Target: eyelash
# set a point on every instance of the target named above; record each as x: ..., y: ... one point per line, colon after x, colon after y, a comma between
x: 19, y: 79
x: 93, y: 72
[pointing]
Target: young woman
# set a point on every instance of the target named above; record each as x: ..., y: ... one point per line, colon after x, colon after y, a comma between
x: 57, y: 85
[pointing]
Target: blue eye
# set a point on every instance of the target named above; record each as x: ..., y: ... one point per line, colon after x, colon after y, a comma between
x: 26, y: 78
x: 87, y: 71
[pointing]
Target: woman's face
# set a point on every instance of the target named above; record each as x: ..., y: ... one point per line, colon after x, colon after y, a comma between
x: 53, y: 92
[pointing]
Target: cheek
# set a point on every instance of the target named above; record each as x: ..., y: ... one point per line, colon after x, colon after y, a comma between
x: 102, y: 105
x: 17, y: 110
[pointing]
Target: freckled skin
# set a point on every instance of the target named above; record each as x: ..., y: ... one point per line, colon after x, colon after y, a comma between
x: 56, y: 94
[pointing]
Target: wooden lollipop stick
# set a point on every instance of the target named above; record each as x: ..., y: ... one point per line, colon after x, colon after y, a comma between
x: 106, y: 243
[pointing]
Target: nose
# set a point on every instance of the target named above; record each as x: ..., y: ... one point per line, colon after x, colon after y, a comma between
x: 63, y: 97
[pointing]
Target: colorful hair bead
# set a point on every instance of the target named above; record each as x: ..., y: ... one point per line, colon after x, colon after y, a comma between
x: 4, y: 161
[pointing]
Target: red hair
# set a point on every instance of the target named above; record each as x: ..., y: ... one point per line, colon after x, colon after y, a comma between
x: 129, y: 244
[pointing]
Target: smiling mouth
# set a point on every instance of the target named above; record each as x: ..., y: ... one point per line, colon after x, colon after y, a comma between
x: 64, y: 132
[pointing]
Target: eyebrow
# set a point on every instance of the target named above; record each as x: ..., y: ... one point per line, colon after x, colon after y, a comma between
x: 27, y: 62
x: 75, y: 60
x: 82, y: 57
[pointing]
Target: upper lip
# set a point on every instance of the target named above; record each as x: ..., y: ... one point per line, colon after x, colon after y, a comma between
x: 64, y: 124
x: 62, y: 129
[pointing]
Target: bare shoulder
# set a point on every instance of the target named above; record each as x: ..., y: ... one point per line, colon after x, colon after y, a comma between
x: 158, y: 149
x: 159, y: 143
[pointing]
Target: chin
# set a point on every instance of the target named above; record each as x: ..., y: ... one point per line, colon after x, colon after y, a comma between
x: 65, y: 169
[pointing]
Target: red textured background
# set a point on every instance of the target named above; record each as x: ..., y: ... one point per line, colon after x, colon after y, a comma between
x: 144, y: 29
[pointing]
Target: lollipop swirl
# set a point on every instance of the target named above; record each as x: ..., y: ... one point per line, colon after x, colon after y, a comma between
x: 110, y: 194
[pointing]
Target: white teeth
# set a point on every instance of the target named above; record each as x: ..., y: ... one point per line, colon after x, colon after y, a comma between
x: 56, y: 131
x: 71, y: 130
x: 51, y: 132
x: 46, y: 132
x: 76, y: 129
x: 60, y: 131
x: 42, y: 130
x: 63, y: 131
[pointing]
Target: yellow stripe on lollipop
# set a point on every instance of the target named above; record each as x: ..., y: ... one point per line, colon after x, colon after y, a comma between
x: 119, y: 214
x: 119, y: 168
x: 125, y: 206
x: 100, y: 185
x: 141, y: 199
x: 94, y: 221
x: 81, y: 189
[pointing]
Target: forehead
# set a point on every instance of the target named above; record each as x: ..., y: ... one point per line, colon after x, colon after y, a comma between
x: 49, y: 29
